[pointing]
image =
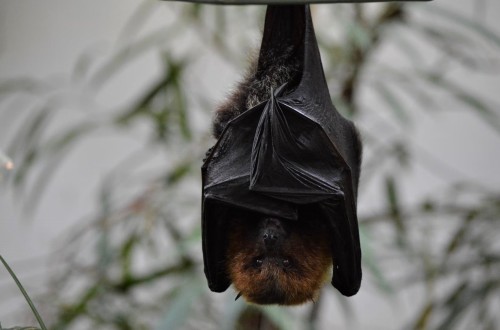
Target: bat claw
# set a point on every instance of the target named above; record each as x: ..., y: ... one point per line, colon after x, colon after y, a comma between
x: 207, y: 154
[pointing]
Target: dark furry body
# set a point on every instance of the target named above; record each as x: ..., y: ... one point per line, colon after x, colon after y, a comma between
x: 270, y: 73
x: 292, y: 270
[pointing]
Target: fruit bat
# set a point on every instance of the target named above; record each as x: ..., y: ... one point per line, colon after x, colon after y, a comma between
x: 280, y: 185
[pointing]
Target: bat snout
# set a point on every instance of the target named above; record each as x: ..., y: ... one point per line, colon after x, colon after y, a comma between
x: 270, y: 237
x: 272, y: 232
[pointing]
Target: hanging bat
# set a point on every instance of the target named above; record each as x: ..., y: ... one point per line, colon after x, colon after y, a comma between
x: 280, y: 185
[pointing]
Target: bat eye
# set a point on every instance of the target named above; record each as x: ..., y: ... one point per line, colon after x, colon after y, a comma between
x: 286, y: 263
x: 257, y: 262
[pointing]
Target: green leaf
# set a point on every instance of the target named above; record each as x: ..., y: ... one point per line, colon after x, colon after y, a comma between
x: 473, y: 102
x: 22, y: 86
x: 129, y: 53
x: 126, y: 253
x: 393, y: 204
x: 461, y: 20
x: 423, y: 319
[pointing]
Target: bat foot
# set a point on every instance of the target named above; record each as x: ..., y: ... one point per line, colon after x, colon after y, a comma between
x: 209, y: 151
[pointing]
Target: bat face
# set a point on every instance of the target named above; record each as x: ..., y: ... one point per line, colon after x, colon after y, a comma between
x: 277, y: 261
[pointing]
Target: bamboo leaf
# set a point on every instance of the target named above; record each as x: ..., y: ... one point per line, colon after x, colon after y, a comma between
x: 423, y: 319
x: 128, y: 53
x: 473, y: 102
x: 21, y: 85
x: 393, y: 204
x: 463, y: 21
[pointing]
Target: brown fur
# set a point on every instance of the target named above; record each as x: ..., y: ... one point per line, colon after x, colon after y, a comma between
x: 307, y: 247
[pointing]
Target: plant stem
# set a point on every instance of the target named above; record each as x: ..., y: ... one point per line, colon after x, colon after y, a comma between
x: 25, y: 294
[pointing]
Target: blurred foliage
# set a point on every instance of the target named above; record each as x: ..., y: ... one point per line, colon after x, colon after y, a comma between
x: 135, y: 263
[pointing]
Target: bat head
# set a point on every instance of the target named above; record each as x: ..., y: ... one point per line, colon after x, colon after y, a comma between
x: 277, y: 261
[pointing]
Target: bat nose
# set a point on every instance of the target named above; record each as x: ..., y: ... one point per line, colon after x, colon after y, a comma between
x: 273, y: 232
x: 270, y: 237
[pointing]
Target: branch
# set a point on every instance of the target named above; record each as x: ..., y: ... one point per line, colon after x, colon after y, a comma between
x: 392, y: 12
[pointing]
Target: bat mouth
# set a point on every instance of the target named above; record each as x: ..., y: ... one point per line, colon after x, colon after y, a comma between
x: 282, y: 281
x: 275, y: 288
x: 272, y: 234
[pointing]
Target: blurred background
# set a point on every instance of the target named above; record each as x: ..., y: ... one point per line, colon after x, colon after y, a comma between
x: 105, y: 110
